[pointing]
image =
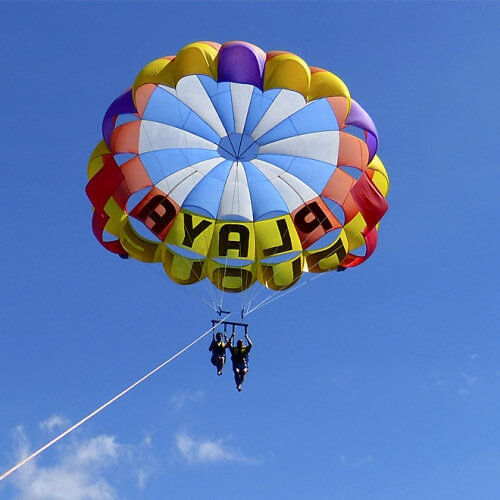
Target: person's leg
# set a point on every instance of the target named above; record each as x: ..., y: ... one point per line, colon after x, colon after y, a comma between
x: 237, y: 378
x: 220, y: 364
x: 213, y: 360
x: 243, y: 373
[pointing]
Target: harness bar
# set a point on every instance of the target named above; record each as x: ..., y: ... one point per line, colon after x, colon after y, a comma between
x: 234, y: 324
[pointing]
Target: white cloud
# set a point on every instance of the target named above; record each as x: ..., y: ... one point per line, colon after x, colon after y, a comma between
x: 207, y: 451
x: 54, y: 422
x: 78, y: 472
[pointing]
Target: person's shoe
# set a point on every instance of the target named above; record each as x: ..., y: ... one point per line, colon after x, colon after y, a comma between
x: 239, y: 388
x: 219, y: 373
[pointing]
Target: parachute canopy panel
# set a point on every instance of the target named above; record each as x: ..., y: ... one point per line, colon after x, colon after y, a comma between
x: 237, y: 164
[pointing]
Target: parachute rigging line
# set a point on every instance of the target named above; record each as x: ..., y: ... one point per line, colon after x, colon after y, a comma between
x: 271, y: 298
x: 112, y: 400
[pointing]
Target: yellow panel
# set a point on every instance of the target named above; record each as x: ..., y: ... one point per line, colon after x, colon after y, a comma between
x: 138, y: 247
x: 287, y: 71
x: 276, y: 236
x: 95, y: 161
x: 282, y: 275
x: 116, y: 215
x: 353, y: 231
x: 328, y: 258
x: 160, y: 71
x: 196, y: 59
x: 380, y: 178
x: 181, y: 270
x: 233, y: 240
x: 191, y: 231
x: 326, y: 84
x: 229, y: 278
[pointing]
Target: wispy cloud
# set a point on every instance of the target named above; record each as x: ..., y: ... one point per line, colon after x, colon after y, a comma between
x: 54, y: 422
x: 461, y: 383
x: 182, y: 399
x: 78, y: 472
x: 195, y: 451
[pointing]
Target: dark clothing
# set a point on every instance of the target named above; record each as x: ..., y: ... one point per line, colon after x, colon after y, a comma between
x: 218, y: 348
x: 239, y: 356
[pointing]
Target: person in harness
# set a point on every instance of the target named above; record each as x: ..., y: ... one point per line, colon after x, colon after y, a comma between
x: 218, y: 350
x: 239, y: 357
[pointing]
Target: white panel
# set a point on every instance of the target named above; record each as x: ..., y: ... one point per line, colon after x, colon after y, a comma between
x: 155, y: 136
x: 170, y: 90
x: 206, y: 166
x: 192, y: 93
x: 242, y: 95
x: 236, y: 195
x: 179, y: 184
x: 180, y: 192
x: 293, y: 191
x: 322, y: 146
x: 286, y: 103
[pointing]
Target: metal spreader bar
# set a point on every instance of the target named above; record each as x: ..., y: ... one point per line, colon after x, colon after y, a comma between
x: 232, y: 324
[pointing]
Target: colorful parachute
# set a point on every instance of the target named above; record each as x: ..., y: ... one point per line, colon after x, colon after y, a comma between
x: 227, y: 163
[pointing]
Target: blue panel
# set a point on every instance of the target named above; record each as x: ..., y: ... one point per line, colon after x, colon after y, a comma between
x: 195, y: 155
x: 266, y: 201
x: 162, y: 163
x: 314, y: 173
x: 223, y: 104
x: 136, y: 198
x: 335, y: 208
x: 283, y: 130
x: 259, y: 104
x: 209, y: 84
x: 197, y: 126
x: 354, y: 172
x: 205, y: 197
x: 281, y: 161
x: 315, y: 117
x: 164, y: 107
x: 122, y: 158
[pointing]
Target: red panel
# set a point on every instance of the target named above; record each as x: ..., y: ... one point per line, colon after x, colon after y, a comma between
x: 313, y: 220
x: 125, y: 138
x: 371, y: 243
x: 338, y: 187
x: 99, y: 221
x: 352, y: 151
x: 370, y: 200
x: 340, y: 106
x: 136, y: 175
x: 104, y: 184
x: 350, y: 208
x: 157, y: 211
x: 142, y: 96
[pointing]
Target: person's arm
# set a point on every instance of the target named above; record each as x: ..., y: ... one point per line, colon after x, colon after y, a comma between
x: 249, y: 341
x: 230, y: 344
x: 211, y: 346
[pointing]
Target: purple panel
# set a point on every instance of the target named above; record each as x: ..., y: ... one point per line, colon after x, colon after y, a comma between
x: 241, y: 62
x: 120, y: 106
x: 358, y: 117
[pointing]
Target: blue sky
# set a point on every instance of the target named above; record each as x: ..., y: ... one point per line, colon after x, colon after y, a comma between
x: 380, y: 382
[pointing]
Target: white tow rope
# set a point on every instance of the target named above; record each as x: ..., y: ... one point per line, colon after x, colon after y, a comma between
x: 118, y: 396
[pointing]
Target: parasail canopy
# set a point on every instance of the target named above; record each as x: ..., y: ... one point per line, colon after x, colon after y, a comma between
x: 227, y: 163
